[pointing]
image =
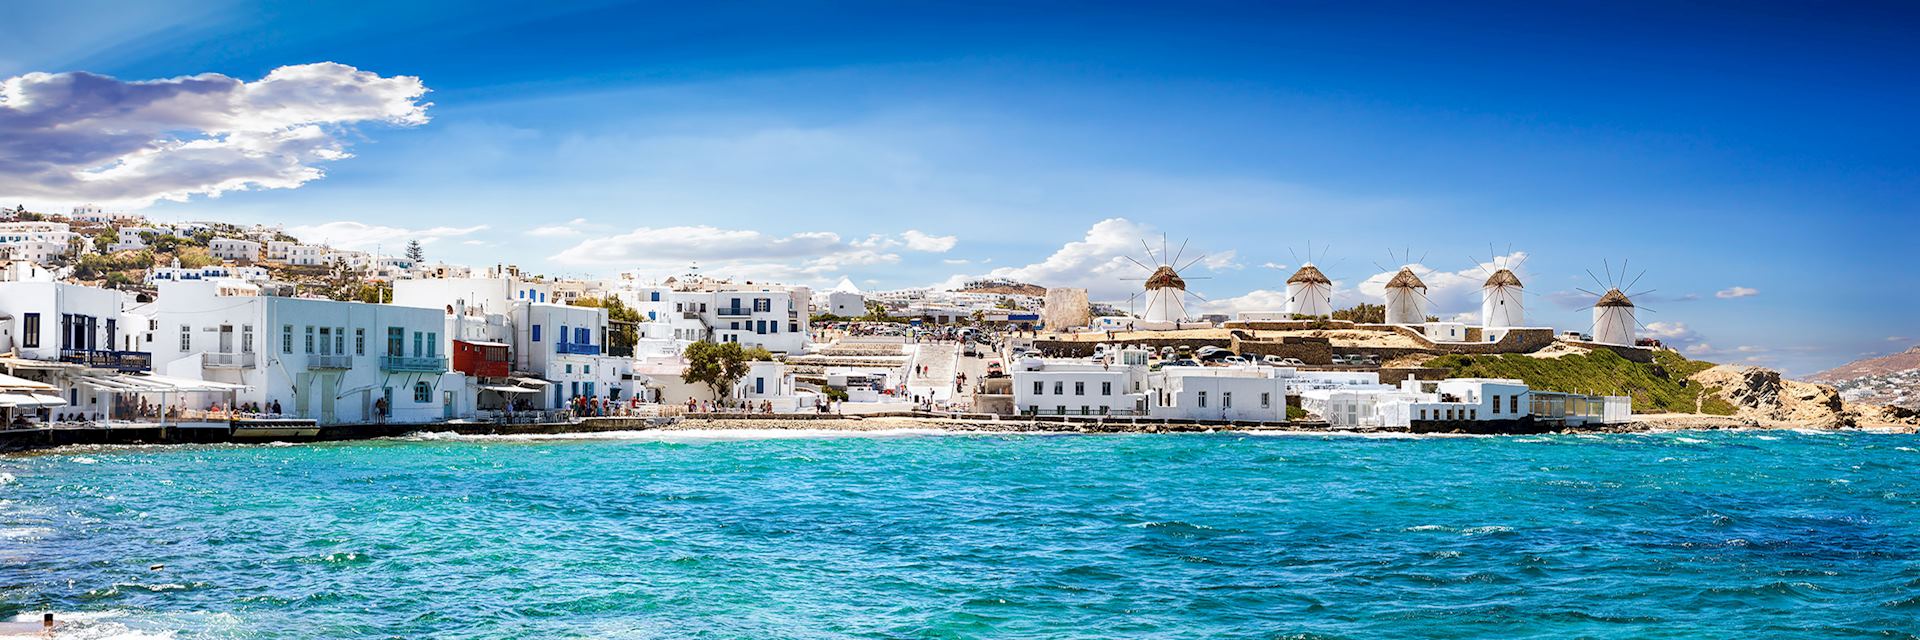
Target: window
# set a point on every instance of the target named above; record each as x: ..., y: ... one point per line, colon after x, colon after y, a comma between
x: 1203, y: 398
x: 1059, y: 388
x: 186, y: 338
x: 1496, y: 404
x: 30, y: 330
x: 1513, y: 404
x: 359, y: 342
x: 1039, y: 388
x: 583, y: 335
x: 326, y: 341
x: 433, y: 344
x: 340, y: 340
x: 569, y: 368
x: 246, y: 338
x: 762, y: 304
x: 419, y: 344
x: 309, y: 340
x: 656, y: 296
x: 1473, y: 414
x: 1423, y: 414
x: 1061, y: 409
x: 396, y: 341
x: 1106, y: 388
x: 1085, y: 410
x: 1226, y: 400
x: 536, y: 333
x: 561, y: 337
x: 286, y: 338
x: 1079, y: 388
x: 422, y: 392
x: 1266, y: 400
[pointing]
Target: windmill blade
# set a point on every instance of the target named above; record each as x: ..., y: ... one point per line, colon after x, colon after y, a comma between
x: 1481, y: 265
x: 1291, y: 252
x: 1143, y: 245
x: 1423, y: 257
x: 1142, y: 265
x: 1640, y: 293
x: 1623, y: 271
x: 1183, y: 250
x: 1596, y: 279
x: 1636, y: 279
x: 1608, y: 266
x: 1163, y: 245
x: 1201, y: 297
x: 1581, y: 290
x: 1192, y: 262
x: 1196, y: 277
x: 1647, y: 308
x: 1376, y: 265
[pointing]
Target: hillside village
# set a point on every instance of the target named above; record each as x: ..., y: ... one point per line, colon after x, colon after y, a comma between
x: 111, y: 319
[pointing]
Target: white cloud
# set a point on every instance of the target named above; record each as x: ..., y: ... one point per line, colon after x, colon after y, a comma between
x: 347, y: 234
x: 554, y: 231
x: 1102, y: 262
x: 799, y: 257
x: 80, y: 136
x: 956, y: 261
x: 1736, y: 292
x: 918, y: 241
x: 912, y: 240
x: 1273, y: 265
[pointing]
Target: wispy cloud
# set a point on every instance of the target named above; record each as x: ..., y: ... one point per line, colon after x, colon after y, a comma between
x: 1736, y: 292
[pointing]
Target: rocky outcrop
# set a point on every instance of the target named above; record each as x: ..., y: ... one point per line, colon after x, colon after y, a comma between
x: 1761, y: 395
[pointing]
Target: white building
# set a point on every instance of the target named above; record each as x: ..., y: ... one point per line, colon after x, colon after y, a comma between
x: 1456, y: 401
x: 297, y: 254
x: 1219, y: 393
x: 767, y: 316
x: 565, y: 347
x: 1081, y: 387
x: 234, y: 249
x: 38, y: 242
x: 334, y: 362
x: 1406, y: 298
x: 93, y: 214
x: 175, y: 274
x: 55, y: 320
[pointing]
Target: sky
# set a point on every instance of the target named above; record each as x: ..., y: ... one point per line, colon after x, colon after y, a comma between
x: 1757, y: 162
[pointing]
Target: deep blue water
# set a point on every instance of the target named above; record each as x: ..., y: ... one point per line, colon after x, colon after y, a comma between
x: 1746, y: 534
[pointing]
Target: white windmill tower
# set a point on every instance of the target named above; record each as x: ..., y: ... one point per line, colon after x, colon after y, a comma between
x: 1309, y: 292
x: 1166, y: 289
x: 1502, y: 296
x: 1614, y: 313
x: 1406, y: 295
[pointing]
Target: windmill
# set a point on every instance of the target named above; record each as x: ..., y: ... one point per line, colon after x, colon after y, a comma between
x: 1614, y: 312
x: 1406, y: 294
x: 1166, y: 289
x: 1309, y: 292
x: 1502, y: 296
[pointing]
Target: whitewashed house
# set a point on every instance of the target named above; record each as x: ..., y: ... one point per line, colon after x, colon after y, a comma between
x: 1219, y: 393
x: 1082, y: 387
x: 334, y: 362
x: 234, y: 249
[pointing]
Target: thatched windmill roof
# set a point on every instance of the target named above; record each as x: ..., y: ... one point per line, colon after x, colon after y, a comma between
x: 1614, y: 299
x: 1405, y: 280
x: 1309, y: 274
x: 1503, y: 278
x: 1164, y: 277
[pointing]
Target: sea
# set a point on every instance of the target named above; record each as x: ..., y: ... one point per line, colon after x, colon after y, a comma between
x: 776, y: 534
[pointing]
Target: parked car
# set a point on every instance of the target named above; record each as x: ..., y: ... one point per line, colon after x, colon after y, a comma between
x: 995, y: 371
x: 1234, y: 360
x: 1292, y: 362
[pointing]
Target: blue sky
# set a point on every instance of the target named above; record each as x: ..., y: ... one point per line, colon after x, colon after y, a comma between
x: 1723, y: 149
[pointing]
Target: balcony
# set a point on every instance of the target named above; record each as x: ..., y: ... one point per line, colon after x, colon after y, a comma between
x: 123, y: 361
x: 341, y: 361
x: 733, y: 311
x: 576, y: 348
x: 228, y: 360
x: 404, y: 364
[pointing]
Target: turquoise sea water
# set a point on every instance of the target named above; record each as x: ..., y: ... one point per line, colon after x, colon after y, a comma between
x: 1813, y: 535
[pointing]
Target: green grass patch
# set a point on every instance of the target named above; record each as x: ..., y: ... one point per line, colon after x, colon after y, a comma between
x: 1661, y: 386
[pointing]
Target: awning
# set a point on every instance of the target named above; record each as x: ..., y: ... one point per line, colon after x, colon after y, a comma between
x: 10, y: 383
x: 532, y: 382
x: 507, y: 389
x: 478, y: 343
x: 124, y: 383
x: 23, y: 400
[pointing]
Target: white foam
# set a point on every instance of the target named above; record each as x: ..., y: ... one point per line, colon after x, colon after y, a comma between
x: 696, y: 435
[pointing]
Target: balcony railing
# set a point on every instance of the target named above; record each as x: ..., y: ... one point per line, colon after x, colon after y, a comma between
x: 405, y: 363
x: 126, y: 361
x: 733, y: 311
x: 576, y: 348
x: 330, y: 361
x: 228, y: 360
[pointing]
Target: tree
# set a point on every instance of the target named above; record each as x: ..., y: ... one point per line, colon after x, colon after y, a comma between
x: 415, y: 253
x: 719, y: 365
x: 623, y: 322
x: 1363, y: 313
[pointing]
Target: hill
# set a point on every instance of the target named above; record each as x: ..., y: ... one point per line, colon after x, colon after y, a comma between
x: 1665, y: 385
x: 1891, y: 380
